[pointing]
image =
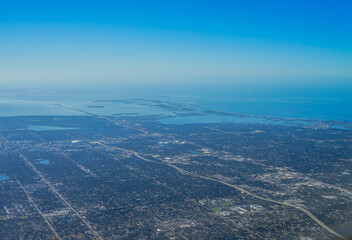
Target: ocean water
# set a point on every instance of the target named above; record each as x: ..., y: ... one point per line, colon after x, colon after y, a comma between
x: 308, y: 102
x: 210, y: 118
x: 338, y: 110
x: 14, y: 107
x: 300, y: 102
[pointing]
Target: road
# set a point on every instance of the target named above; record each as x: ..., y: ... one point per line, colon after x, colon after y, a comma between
x: 103, y: 117
x: 95, y: 233
x: 243, y: 191
x: 39, y: 211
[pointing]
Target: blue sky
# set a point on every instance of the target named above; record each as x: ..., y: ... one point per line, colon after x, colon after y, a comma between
x: 142, y: 42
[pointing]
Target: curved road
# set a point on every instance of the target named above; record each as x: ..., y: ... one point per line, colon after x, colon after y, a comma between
x: 243, y: 191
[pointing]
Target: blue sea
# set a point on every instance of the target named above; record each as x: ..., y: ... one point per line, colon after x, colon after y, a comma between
x: 288, y: 101
x: 303, y: 108
x: 299, y: 102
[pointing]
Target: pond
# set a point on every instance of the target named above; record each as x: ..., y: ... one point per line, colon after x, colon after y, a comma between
x: 48, y: 128
x: 3, y: 177
x: 43, y: 162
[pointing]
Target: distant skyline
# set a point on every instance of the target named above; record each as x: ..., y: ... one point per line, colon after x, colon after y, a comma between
x: 62, y: 43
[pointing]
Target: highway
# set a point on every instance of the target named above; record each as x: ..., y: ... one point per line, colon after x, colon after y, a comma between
x: 95, y: 233
x: 101, y: 116
x: 243, y: 191
x: 39, y: 211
